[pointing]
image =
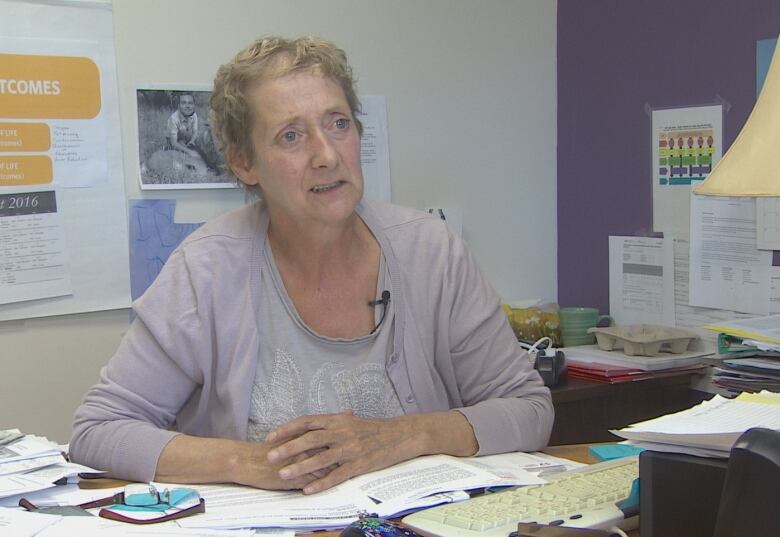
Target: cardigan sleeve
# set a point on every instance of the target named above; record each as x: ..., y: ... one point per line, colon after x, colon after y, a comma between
x: 503, y: 396
x: 124, y: 421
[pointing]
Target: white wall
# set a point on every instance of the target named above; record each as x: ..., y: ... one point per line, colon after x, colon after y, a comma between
x: 471, y: 93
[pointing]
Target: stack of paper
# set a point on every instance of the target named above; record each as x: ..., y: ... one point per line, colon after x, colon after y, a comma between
x: 750, y: 374
x: 613, y: 374
x: 709, y: 429
x: 29, y: 463
x: 591, y: 354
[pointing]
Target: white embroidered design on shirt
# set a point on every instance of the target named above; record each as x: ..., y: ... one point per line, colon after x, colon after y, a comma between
x: 364, y: 389
x: 277, y: 401
x: 367, y: 390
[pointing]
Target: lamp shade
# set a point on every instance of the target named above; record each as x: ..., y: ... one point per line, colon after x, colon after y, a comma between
x: 751, y: 166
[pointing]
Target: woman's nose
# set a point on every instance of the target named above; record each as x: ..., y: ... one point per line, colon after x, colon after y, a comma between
x: 324, y: 154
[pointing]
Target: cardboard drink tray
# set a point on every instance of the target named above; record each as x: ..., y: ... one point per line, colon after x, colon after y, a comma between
x: 643, y: 339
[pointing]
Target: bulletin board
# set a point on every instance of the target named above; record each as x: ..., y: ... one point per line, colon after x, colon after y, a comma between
x: 615, y: 66
x: 80, y: 153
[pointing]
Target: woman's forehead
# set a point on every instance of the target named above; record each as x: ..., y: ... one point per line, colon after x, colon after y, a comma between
x: 295, y: 93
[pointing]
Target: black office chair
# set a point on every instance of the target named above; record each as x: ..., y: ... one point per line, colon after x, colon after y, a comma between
x: 751, y: 492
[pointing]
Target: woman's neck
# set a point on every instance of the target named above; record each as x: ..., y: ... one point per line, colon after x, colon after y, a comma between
x: 315, y: 253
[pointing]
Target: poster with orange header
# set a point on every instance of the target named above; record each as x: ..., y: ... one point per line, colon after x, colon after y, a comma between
x: 52, y: 131
x: 63, y: 217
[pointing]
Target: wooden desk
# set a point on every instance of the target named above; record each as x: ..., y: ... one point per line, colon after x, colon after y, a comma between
x: 577, y: 452
x: 586, y: 410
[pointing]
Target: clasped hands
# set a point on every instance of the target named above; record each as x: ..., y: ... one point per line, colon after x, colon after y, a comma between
x: 314, y: 453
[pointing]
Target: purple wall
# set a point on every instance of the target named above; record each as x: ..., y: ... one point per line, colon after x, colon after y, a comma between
x: 616, y: 58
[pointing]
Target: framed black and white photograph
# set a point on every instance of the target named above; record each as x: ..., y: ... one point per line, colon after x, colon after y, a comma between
x: 176, y: 148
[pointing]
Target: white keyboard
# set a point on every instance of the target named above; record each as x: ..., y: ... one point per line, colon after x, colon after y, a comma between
x: 581, y: 498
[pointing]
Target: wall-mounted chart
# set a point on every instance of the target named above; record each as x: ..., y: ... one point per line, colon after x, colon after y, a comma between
x: 63, y: 224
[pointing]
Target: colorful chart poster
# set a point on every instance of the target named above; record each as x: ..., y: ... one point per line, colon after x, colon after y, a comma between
x: 686, y: 144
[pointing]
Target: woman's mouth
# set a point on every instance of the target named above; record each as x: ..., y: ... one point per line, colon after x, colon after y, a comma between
x: 324, y: 188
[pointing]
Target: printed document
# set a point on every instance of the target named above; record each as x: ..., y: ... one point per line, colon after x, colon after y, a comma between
x: 641, y: 280
x: 768, y: 223
x: 32, y: 240
x: 18, y: 523
x: 727, y: 270
x: 85, y: 526
x: 375, y: 148
x: 693, y: 317
x: 386, y: 492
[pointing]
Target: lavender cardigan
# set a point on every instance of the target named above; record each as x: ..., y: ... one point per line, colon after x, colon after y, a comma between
x: 187, y: 362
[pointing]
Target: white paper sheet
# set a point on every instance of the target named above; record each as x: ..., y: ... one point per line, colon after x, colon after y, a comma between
x: 774, y: 290
x: 768, y: 223
x: 694, y: 317
x: 69, y: 494
x: 34, y: 261
x: 727, y: 270
x: 17, y: 523
x: 674, y: 448
x: 25, y: 465
x: 697, y: 135
x: 16, y: 484
x: 27, y: 447
x: 428, y: 475
x: 375, y: 148
x: 641, y: 280
x: 77, y: 525
x: 507, y: 464
x: 241, y: 507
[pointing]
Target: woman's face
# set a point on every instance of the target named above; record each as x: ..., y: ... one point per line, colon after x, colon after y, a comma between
x: 307, y: 150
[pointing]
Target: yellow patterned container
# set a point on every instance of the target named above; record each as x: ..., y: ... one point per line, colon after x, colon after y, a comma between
x: 536, y: 322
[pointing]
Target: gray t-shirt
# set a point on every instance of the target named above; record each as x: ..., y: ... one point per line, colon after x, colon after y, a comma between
x: 300, y: 372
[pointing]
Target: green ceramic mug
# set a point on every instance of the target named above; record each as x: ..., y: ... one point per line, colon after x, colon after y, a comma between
x: 575, y: 323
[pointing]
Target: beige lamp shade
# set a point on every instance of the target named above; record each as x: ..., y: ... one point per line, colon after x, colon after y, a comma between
x: 751, y: 166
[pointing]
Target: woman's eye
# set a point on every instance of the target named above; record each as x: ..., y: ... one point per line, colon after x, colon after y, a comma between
x: 342, y: 123
x: 290, y: 136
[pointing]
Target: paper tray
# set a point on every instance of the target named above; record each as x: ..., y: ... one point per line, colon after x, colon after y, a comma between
x: 643, y: 339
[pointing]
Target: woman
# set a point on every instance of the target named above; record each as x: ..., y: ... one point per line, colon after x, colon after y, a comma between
x: 313, y: 336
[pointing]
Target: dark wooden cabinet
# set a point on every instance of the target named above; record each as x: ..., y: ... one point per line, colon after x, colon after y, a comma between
x: 586, y: 410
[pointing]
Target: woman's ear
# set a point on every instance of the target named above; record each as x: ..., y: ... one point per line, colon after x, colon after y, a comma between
x: 242, y: 167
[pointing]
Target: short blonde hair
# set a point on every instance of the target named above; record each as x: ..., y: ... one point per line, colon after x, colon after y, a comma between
x: 268, y: 58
